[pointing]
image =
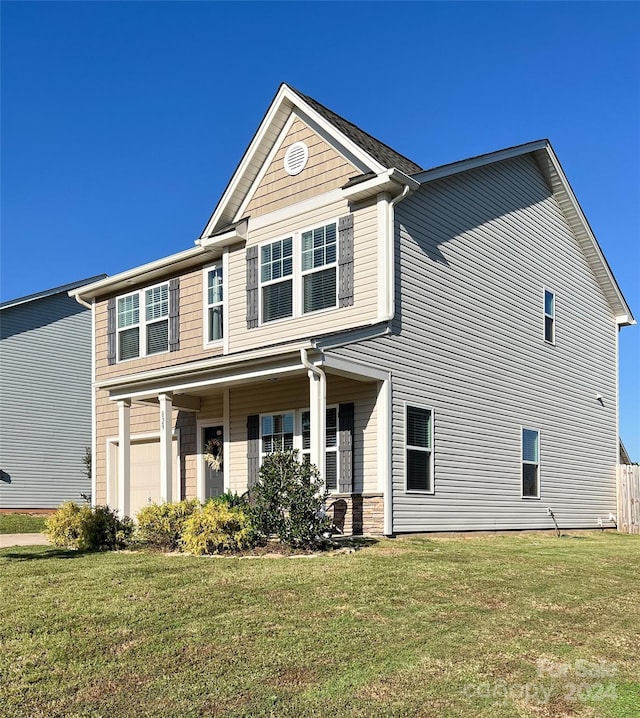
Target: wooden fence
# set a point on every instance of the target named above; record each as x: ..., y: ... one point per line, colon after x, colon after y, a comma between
x: 629, y: 498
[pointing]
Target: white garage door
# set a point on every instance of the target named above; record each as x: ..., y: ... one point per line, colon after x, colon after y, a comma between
x: 145, y: 474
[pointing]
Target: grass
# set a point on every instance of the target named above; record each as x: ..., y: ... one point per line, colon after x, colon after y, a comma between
x: 21, y: 524
x: 495, y: 626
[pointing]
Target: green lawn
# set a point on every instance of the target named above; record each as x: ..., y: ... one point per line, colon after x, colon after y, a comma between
x: 21, y: 524
x: 495, y: 626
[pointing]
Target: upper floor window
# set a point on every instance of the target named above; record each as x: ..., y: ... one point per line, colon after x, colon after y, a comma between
x: 530, y: 463
x: 215, y: 304
x: 319, y: 263
x: 298, y: 274
x: 549, y: 317
x: 143, y: 322
x: 276, y: 276
x: 419, y: 449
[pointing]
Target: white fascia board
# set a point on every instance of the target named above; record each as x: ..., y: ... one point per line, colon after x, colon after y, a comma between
x: 580, y: 226
x: 225, y: 239
x: 248, y: 375
x: 205, y: 365
x: 145, y: 272
x: 479, y: 161
x: 265, y: 166
x: 388, y: 181
x: 289, y: 100
x: 246, y: 160
x: 577, y: 221
x: 355, y: 369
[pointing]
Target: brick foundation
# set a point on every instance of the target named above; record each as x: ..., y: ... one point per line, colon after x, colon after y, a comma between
x: 357, y: 514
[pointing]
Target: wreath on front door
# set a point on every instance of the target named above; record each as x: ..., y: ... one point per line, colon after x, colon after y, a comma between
x: 213, y: 453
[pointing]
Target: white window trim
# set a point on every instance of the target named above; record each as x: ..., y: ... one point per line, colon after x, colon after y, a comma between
x: 289, y: 277
x: 142, y: 323
x: 431, y: 491
x: 522, y: 462
x: 297, y: 436
x: 297, y: 303
x: 297, y: 428
x: 206, y: 306
x: 306, y: 272
x: 327, y: 449
x: 552, y: 341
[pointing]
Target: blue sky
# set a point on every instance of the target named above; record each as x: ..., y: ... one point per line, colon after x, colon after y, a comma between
x: 122, y: 122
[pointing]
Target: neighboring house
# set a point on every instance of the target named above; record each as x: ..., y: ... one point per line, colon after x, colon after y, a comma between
x: 45, y: 399
x: 442, y: 343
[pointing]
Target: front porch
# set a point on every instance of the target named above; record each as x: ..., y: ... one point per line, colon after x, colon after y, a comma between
x: 335, y: 413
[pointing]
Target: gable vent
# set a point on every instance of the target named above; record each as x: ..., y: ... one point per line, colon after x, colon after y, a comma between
x: 295, y: 159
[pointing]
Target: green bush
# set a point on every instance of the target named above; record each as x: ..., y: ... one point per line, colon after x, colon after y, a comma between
x: 231, y: 499
x: 80, y: 527
x: 218, y: 528
x: 288, y: 500
x: 160, y: 526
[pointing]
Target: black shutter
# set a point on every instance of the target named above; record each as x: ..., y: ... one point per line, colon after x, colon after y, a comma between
x: 345, y: 447
x: 345, y: 261
x: 174, y: 315
x: 252, y: 287
x: 111, y: 331
x: 253, y: 449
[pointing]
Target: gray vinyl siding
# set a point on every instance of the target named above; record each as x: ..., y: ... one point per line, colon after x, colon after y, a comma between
x: 45, y: 402
x: 474, y: 253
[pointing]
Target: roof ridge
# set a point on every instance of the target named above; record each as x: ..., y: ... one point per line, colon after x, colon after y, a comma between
x: 382, y: 152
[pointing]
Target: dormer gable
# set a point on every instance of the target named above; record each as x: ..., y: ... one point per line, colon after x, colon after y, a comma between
x: 336, y: 151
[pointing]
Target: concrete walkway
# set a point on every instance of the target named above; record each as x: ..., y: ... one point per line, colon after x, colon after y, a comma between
x: 7, y: 540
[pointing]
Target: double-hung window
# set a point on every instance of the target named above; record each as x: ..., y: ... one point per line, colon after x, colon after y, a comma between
x: 276, y: 276
x: 549, y: 317
x: 319, y: 265
x: 215, y: 304
x: 299, y: 274
x: 331, y: 449
x: 419, y: 449
x: 143, y: 322
x: 277, y: 432
x: 530, y: 463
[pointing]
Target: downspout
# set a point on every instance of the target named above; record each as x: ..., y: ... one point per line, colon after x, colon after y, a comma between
x: 391, y: 274
x: 387, y: 389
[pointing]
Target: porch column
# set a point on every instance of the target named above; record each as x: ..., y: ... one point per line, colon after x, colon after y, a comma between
x: 124, y: 455
x: 318, y: 416
x: 166, y: 453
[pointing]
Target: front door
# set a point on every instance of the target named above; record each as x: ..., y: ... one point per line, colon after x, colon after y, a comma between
x: 212, y: 446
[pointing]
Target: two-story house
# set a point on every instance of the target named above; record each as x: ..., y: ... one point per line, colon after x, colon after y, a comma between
x: 441, y: 343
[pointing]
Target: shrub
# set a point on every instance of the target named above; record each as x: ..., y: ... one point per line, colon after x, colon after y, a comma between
x: 80, y: 527
x: 66, y: 526
x: 288, y: 500
x: 216, y: 528
x: 161, y: 525
x: 231, y: 499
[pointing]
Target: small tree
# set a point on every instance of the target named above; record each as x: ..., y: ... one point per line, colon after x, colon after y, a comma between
x: 288, y: 500
x: 87, y: 460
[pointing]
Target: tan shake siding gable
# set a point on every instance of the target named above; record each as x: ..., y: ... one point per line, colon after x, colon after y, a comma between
x: 325, y: 170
